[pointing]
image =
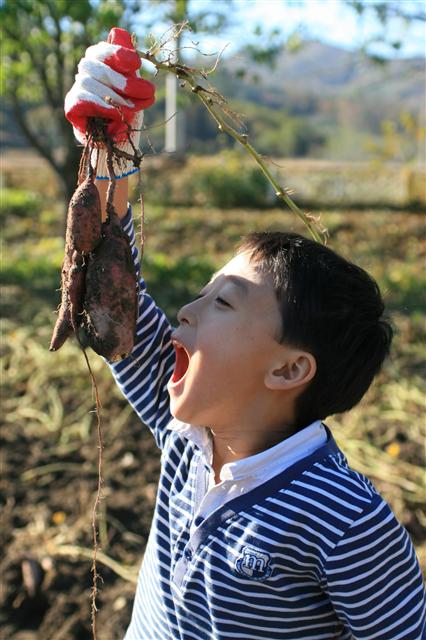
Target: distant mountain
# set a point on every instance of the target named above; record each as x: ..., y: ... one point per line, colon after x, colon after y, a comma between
x: 326, y: 71
x: 323, y: 101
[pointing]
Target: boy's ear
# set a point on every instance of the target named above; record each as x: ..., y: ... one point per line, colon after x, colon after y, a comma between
x: 297, y: 368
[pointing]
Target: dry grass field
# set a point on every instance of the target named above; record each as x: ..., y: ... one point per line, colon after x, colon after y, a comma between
x: 48, y: 421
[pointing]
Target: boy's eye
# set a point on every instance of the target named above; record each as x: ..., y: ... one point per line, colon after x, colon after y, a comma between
x: 220, y: 300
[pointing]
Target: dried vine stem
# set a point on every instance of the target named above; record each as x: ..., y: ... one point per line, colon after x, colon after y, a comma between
x: 95, y: 575
x: 98, y: 134
x: 95, y: 132
x: 219, y: 110
x: 126, y: 572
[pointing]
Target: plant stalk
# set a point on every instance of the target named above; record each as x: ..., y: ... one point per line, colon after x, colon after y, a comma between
x: 188, y: 75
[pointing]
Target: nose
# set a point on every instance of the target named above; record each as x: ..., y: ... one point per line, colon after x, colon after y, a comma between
x: 186, y: 314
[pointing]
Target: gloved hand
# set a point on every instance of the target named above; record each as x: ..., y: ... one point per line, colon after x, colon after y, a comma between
x: 108, y: 86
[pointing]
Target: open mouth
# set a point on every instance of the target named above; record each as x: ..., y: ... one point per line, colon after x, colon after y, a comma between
x: 182, y: 362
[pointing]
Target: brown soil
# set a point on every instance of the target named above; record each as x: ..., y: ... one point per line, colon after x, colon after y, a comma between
x: 52, y: 509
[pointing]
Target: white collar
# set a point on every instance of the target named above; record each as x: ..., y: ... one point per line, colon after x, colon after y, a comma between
x: 277, y: 457
x: 200, y: 436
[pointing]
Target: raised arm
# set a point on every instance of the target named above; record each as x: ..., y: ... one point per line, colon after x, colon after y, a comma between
x: 143, y: 376
x: 121, y: 196
x: 108, y: 86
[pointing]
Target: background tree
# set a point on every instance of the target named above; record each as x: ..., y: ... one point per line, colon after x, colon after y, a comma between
x: 43, y: 41
x: 407, y: 12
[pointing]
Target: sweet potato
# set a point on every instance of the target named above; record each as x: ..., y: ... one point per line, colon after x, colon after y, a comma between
x: 99, y: 286
x: 63, y: 326
x: 110, y: 304
x: 84, y: 218
x: 82, y: 235
x: 73, y: 279
x: 76, y: 286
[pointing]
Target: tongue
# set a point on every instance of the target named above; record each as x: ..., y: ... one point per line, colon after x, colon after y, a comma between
x: 181, y: 364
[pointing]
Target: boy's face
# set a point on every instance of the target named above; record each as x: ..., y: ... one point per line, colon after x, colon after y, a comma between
x: 225, y: 343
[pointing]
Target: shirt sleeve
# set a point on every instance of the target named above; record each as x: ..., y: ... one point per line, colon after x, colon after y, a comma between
x: 143, y: 375
x: 374, y: 581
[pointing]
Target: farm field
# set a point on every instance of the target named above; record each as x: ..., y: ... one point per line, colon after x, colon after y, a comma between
x: 49, y: 426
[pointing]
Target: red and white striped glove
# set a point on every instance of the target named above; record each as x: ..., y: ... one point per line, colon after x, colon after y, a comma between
x: 108, y: 86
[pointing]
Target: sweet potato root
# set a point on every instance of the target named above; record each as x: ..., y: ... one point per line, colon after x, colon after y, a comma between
x: 84, y: 218
x: 73, y: 279
x: 63, y: 326
x: 82, y: 235
x: 99, y: 286
x: 76, y: 287
x: 110, y: 304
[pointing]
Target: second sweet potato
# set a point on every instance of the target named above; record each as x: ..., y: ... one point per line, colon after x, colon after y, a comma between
x: 110, y: 304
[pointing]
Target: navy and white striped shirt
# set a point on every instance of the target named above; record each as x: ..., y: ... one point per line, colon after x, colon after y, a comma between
x: 312, y: 553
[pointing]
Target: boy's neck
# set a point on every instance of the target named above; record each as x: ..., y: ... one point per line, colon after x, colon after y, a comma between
x: 233, y: 446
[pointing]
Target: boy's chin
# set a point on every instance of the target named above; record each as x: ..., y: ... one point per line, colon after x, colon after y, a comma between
x: 178, y: 411
x: 182, y: 412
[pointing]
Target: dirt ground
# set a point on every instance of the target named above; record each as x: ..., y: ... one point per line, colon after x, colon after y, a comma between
x: 46, y: 511
x: 46, y: 530
x: 49, y: 443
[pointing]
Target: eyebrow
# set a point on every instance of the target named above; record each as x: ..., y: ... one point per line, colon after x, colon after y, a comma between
x: 239, y: 282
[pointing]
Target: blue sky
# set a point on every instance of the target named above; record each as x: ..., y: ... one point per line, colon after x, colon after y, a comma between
x: 328, y: 20
x: 334, y: 22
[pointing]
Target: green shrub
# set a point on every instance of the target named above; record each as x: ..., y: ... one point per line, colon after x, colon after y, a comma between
x: 230, y: 184
x: 34, y: 265
x: 227, y: 180
x: 19, y: 203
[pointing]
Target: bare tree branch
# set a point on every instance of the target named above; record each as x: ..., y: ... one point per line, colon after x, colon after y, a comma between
x: 44, y: 151
x: 54, y: 98
x: 39, y: 67
x: 60, y: 61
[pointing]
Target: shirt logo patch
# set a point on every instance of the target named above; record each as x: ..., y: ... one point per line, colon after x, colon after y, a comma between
x: 253, y: 563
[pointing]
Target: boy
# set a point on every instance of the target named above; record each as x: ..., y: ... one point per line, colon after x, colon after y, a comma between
x: 261, y: 530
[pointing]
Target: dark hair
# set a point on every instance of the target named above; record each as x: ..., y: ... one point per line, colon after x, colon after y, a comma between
x: 331, y: 308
